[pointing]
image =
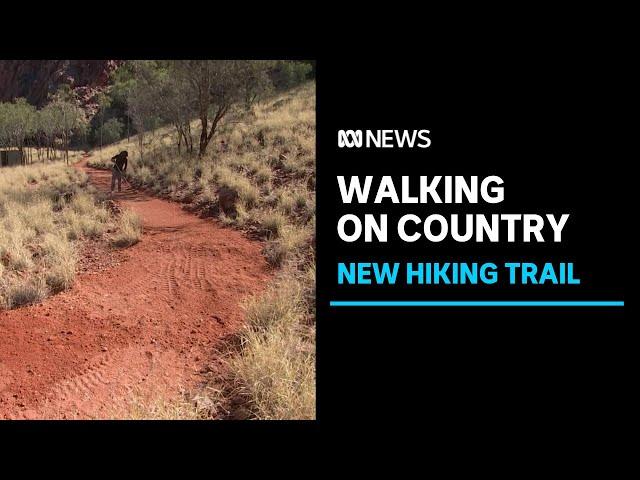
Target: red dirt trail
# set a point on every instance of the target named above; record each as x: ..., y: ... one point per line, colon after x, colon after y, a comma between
x: 141, y: 330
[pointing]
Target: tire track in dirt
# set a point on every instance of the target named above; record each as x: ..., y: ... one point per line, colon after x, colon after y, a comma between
x: 140, y: 330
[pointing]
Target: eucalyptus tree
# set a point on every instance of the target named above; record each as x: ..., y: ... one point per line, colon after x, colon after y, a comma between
x: 17, y: 124
x: 67, y: 117
x: 104, y: 102
x: 215, y: 86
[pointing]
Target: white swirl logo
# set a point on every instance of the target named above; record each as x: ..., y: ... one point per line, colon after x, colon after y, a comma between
x: 349, y: 138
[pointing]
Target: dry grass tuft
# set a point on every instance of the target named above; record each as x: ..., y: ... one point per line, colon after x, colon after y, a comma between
x: 276, y: 367
x: 24, y: 292
x: 129, y: 231
x: 60, y: 262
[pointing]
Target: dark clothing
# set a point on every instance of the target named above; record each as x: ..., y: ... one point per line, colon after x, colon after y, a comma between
x: 116, y: 175
x: 120, y: 162
x: 119, y: 166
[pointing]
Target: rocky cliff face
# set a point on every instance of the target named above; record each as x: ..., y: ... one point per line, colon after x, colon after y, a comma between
x: 36, y: 79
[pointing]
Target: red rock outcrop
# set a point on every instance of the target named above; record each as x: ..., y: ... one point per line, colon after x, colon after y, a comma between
x: 36, y: 79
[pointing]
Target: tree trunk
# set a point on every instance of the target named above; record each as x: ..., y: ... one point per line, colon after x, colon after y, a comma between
x: 66, y: 148
x: 141, y: 144
x: 204, y: 138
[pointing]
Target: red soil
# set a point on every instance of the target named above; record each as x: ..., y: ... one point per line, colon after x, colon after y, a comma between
x: 140, y: 330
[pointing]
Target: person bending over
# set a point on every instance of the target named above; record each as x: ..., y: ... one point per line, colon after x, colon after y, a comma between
x: 119, y: 167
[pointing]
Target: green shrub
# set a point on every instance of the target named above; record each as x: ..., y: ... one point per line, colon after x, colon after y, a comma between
x: 110, y: 132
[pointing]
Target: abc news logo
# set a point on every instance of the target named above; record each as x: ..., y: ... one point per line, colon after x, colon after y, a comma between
x: 384, y: 138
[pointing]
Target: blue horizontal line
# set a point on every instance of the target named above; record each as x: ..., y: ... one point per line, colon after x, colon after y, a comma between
x: 474, y: 303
